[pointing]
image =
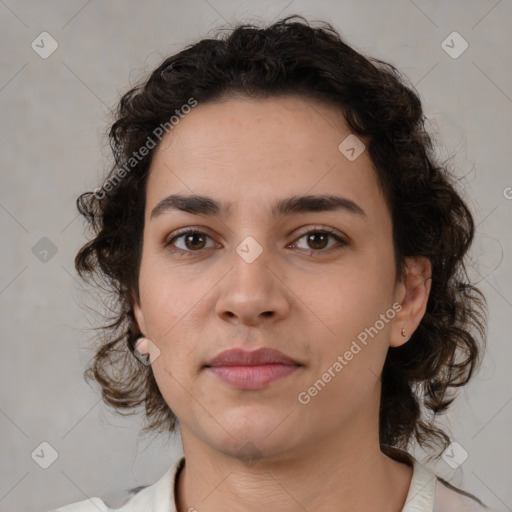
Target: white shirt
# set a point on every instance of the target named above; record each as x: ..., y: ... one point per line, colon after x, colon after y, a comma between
x: 427, y: 493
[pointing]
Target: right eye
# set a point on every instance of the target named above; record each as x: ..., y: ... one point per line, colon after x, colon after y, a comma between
x: 192, y: 241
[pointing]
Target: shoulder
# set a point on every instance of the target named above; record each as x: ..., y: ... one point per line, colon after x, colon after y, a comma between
x: 89, y: 505
x: 450, y: 499
x: 144, y: 497
x: 430, y: 493
x: 158, y: 497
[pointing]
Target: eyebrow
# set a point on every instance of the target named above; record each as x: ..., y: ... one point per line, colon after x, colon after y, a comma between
x: 204, y: 205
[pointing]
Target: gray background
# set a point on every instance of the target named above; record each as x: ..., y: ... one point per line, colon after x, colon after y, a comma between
x: 54, y: 115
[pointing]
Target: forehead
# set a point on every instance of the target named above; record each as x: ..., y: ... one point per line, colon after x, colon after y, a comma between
x: 255, y: 151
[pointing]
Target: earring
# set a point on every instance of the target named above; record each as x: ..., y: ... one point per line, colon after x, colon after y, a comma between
x: 403, y: 332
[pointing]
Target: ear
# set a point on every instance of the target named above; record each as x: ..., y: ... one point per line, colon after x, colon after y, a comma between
x: 412, y: 292
x: 139, y: 315
x: 142, y: 344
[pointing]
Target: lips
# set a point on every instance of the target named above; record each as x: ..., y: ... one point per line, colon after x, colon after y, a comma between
x: 239, y: 357
x: 251, y: 370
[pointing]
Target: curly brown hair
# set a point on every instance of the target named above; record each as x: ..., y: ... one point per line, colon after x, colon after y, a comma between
x: 429, y: 216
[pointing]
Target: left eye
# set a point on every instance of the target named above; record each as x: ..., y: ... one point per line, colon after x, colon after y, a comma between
x: 317, y: 239
x: 194, y: 241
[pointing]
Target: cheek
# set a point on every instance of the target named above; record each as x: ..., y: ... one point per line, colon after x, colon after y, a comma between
x: 351, y: 361
x: 354, y: 303
x: 352, y: 296
x: 168, y: 297
x: 175, y: 303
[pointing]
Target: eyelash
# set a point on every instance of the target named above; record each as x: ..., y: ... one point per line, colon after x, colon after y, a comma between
x: 192, y: 231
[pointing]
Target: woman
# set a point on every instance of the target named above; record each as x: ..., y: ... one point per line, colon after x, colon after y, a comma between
x: 288, y: 260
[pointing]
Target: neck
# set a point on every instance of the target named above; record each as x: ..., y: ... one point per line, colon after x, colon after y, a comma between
x: 341, y: 472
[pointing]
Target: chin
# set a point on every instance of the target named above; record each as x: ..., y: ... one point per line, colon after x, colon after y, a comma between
x: 251, y: 451
x: 251, y: 437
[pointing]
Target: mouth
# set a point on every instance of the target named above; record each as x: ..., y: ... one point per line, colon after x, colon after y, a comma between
x: 251, y: 370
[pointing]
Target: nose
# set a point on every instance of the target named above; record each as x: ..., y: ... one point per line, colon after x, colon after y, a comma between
x: 253, y: 293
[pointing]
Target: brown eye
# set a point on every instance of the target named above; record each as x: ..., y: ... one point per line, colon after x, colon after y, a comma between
x: 318, y: 240
x: 194, y: 241
x: 189, y: 241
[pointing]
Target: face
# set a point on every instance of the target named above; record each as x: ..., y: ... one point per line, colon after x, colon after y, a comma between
x: 308, y: 282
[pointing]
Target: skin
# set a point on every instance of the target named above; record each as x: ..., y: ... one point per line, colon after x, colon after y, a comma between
x: 307, y: 300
